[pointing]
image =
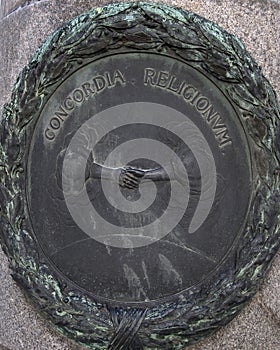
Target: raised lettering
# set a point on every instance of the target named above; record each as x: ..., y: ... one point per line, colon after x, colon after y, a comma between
x: 100, y: 83
x: 149, y: 75
x: 109, y: 80
x: 162, y: 79
x: 55, y: 123
x: 191, y: 95
x: 118, y: 77
x: 210, y: 114
x: 78, y: 95
x: 193, y: 100
x: 171, y: 86
x: 217, y: 123
x: 87, y: 89
x: 226, y: 140
x: 50, y: 135
x: 189, y: 92
x: 202, y: 103
x: 68, y: 104
x: 61, y: 113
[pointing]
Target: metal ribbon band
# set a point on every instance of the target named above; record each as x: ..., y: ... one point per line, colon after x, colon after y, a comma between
x: 126, y: 324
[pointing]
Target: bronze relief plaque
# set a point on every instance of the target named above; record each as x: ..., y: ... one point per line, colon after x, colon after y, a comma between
x: 140, y: 166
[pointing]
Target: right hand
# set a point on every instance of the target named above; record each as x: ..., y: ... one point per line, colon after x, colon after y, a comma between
x: 131, y: 177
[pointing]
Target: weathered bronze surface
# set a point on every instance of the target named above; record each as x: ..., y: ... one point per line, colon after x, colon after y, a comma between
x: 140, y: 177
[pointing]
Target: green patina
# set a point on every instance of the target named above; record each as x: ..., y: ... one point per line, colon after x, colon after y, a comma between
x: 157, y: 28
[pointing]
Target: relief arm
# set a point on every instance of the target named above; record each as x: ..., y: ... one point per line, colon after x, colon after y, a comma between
x: 125, y: 176
x: 96, y: 171
x: 157, y: 174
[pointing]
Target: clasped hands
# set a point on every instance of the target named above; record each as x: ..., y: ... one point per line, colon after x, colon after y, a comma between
x: 131, y: 177
x: 127, y: 176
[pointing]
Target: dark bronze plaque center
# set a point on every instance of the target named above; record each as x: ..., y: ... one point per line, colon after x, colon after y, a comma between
x: 162, y: 124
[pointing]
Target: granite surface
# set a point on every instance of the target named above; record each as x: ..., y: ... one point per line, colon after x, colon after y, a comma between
x: 23, y: 27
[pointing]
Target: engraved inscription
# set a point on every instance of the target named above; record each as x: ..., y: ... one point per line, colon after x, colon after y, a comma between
x: 167, y: 81
x: 78, y: 96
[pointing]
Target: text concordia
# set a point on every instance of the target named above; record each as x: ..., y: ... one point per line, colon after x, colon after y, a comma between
x: 78, y: 96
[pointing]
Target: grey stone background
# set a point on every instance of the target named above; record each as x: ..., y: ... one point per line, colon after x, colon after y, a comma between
x: 24, y: 25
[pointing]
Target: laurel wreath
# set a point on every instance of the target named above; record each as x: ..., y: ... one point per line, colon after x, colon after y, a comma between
x: 202, y: 310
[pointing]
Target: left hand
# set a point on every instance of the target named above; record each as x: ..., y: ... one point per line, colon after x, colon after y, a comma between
x: 131, y: 177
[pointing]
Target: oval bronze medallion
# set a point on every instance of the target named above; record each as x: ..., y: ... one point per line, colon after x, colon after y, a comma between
x: 140, y: 167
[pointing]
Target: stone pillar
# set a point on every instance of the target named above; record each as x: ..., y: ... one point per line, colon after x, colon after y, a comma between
x: 24, y: 25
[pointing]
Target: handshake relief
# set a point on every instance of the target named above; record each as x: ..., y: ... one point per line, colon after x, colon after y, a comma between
x: 131, y: 177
